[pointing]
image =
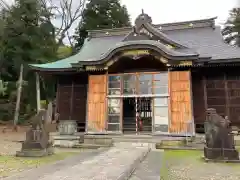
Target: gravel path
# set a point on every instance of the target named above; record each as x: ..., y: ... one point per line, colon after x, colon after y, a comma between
x: 192, y: 169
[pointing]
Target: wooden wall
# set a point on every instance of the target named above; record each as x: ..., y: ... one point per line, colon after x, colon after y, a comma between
x: 219, y: 88
x: 97, y: 110
x: 180, y: 101
x: 72, y: 97
x: 198, y: 92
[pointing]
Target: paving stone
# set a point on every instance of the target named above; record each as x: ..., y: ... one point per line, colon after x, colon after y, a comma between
x: 111, y: 164
x: 58, y: 166
x: 149, y: 169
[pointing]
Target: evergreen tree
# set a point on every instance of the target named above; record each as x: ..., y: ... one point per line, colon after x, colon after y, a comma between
x: 231, y: 31
x: 25, y: 38
x: 101, y: 14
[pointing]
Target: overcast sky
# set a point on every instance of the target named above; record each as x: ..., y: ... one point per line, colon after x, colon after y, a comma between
x: 164, y: 11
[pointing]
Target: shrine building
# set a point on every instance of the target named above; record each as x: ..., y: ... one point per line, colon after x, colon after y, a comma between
x: 148, y: 79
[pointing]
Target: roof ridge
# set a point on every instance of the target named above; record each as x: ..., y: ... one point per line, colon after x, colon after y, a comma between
x: 186, y: 22
x: 155, y: 25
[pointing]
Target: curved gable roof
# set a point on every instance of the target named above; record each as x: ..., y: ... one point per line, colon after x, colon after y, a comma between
x: 191, y: 39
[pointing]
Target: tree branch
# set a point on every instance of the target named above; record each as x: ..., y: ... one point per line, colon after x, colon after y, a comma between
x: 67, y: 11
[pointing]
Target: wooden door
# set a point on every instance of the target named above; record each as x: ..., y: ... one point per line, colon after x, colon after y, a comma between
x: 64, y: 93
x: 96, y: 113
x: 180, y: 102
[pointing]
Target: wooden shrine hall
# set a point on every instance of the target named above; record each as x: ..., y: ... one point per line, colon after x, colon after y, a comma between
x: 149, y: 78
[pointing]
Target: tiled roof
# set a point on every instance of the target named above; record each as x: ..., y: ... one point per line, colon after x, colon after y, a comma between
x: 91, y: 50
x: 206, y: 41
x: 197, y: 37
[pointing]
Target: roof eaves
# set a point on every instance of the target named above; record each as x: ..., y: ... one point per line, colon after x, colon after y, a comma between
x: 128, y: 45
x: 38, y: 68
x: 213, y: 61
x: 109, y: 32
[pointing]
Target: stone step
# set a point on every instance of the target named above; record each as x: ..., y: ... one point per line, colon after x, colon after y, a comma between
x: 90, y: 146
x: 135, y: 140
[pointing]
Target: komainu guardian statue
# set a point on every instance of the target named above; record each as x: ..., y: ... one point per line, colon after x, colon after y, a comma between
x: 219, y: 140
x: 37, y: 141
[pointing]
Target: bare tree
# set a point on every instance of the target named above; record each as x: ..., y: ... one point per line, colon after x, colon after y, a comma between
x: 67, y: 12
x: 5, y: 5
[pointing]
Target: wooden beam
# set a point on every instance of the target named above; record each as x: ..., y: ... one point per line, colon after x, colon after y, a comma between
x: 204, y: 81
x: 226, y: 95
x: 38, y: 96
x: 19, y: 92
x: 71, y: 101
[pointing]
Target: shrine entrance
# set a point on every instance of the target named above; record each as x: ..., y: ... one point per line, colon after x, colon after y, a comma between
x: 137, y: 115
x: 138, y: 103
x: 144, y: 114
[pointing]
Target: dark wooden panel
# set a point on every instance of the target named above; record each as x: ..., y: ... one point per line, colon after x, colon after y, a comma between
x: 79, y: 103
x: 72, y: 96
x: 222, y: 92
x: 198, y: 97
x: 216, y: 92
x: 64, y: 102
x: 233, y: 91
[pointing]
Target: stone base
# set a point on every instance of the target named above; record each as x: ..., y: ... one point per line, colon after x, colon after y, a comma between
x: 67, y: 127
x: 35, y: 152
x: 68, y: 141
x: 220, y: 160
x: 221, y: 154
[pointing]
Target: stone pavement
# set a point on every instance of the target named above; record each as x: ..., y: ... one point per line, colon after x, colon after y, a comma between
x: 36, y: 173
x: 149, y: 169
x: 113, y: 164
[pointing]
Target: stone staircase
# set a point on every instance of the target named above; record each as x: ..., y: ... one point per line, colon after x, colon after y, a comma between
x: 97, y: 141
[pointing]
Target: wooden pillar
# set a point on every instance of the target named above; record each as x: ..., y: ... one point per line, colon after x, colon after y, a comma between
x: 38, y: 92
x: 71, y: 101
x: 19, y: 92
x: 204, y: 81
x: 226, y: 96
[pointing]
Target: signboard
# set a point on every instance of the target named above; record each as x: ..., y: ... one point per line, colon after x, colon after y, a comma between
x: 91, y: 67
x: 136, y: 53
x: 185, y: 63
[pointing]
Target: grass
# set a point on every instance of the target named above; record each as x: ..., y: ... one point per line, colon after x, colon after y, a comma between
x: 12, y: 164
x: 176, y: 156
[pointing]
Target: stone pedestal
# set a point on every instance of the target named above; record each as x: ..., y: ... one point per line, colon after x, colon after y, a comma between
x: 67, y: 135
x: 68, y: 141
x: 37, y: 141
x: 37, y: 144
x: 67, y: 127
x: 35, y: 152
x: 221, y: 154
